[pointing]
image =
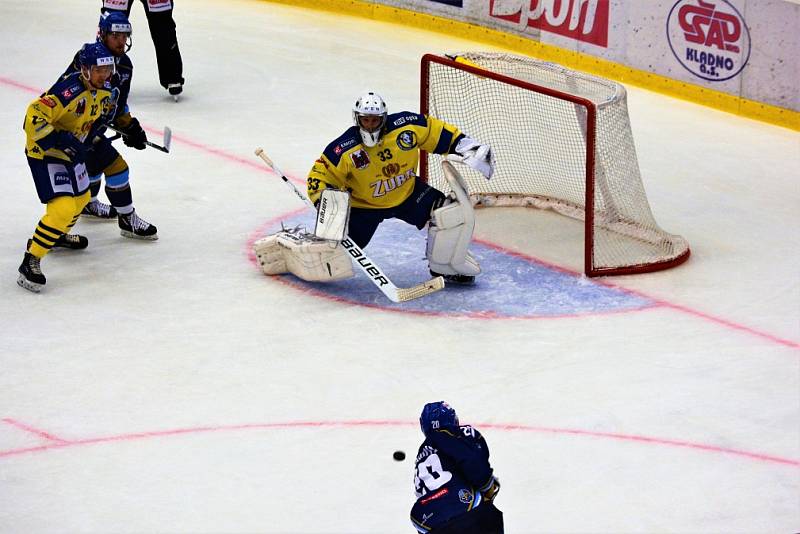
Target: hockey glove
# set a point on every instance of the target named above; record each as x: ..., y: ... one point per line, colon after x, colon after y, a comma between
x: 476, y: 155
x: 71, y: 146
x: 489, y: 491
x: 133, y: 135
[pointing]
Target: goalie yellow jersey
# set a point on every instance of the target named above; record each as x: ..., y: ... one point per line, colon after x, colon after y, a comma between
x: 68, y: 105
x: 381, y: 176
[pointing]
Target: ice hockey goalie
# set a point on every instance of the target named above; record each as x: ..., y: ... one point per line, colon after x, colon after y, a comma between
x: 304, y: 255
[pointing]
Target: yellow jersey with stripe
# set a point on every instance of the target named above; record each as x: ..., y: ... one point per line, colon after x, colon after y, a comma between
x: 68, y: 105
x: 381, y: 176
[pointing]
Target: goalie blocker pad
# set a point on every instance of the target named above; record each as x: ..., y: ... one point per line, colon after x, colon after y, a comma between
x: 333, y: 215
x: 303, y: 255
x: 450, y: 231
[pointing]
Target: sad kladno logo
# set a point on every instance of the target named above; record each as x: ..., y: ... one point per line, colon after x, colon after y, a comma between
x: 709, y: 38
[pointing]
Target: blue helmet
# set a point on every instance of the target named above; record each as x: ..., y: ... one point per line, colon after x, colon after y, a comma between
x: 436, y: 415
x: 95, y: 54
x: 114, y: 21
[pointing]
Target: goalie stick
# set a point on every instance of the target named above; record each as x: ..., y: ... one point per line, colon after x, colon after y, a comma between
x: 167, y: 138
x: 373, y: 272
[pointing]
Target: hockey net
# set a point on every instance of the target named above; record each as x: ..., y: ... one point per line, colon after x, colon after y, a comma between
x: 563, y: 141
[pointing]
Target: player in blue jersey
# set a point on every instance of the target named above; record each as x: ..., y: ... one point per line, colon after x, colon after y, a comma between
x: 165, y: 40
x: 453, y: 480
x: 114, y: 31
x: 375, y: 163
x: 58, y: 128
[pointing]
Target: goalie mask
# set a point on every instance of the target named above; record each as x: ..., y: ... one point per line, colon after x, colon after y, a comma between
x: 369, y: 115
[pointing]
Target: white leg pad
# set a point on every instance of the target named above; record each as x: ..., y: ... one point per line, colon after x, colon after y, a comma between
x: 447, y: 245
x: 303, y: 255
x: 450, y: 232
x: 270, y: 255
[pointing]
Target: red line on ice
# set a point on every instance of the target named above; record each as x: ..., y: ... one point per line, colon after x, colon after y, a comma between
x: 31, y: 430
x: 378, y: 423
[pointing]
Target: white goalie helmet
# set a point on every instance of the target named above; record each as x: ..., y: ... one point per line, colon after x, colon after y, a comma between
x: 370, y: 104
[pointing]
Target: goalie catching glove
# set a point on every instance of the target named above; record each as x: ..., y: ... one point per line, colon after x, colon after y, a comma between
x: 478, y: 156
x: 304, y: 255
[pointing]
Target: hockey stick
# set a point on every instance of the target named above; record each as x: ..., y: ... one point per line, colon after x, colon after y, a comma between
x: 373, y: 272
x: 167, y: 138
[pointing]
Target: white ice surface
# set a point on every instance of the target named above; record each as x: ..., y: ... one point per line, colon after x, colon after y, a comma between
x: 171, y: 387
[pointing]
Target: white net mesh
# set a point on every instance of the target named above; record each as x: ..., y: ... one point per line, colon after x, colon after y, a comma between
x: 539, y: 136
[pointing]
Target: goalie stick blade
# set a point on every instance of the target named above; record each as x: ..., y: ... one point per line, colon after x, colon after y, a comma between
x: 433, y: 285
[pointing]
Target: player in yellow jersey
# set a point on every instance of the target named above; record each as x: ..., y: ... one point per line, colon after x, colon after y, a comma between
x: 375, y: 163
x: 102, y: 158
x: 58, y: 127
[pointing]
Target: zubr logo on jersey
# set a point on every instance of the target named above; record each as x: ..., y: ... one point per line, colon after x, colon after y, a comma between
x: 582, y: 20
x: 709, y: 38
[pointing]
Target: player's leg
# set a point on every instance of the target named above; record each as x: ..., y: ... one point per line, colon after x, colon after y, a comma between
x: 117, y: 5
x: 118, y: 190
x: 64, y: 193
x: 417, y: 208
x: 363, y: 223
x: 97, y: 159
x: 96, y: 208
x: 449, y: 231
x: 165, y: 39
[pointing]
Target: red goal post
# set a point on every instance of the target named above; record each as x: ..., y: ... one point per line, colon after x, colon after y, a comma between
x: 563, y: 141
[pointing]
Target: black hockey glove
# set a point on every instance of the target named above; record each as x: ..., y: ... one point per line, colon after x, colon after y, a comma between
x: 71, y: 146
x: 133, y: 135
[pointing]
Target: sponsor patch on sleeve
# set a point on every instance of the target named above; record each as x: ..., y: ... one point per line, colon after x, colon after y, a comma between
x: 71, y: 91
x: 159, y: 5
x: 48, y: 101
x: 115, y: 4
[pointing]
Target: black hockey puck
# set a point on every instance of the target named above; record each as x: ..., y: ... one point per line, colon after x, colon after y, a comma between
x: 399, y: 456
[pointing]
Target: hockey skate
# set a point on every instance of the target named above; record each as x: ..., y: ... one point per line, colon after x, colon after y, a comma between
x: 30, y: 274
x: 133, y: 226
x: 460, y: 279
x: 175, y: 89
x: 99, y: 210
x: 70, y: 241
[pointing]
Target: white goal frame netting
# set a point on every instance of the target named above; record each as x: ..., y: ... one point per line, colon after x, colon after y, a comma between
x: 563, y: 141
